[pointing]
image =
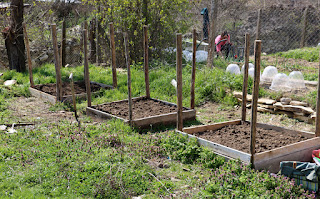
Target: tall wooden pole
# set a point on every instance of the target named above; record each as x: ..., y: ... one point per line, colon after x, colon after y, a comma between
x: 179, y: 81
x: 258, y: 30
x: 212, y: 31
x: 126, y: 46
x: 56, y: 62
x: 318, y: 106
x: 63, y: 43
x: 304, y: 28
x: 86, y: 66
x: 98, y: 36
x: 245, y: 77
x: 193, y: 73
x: 257, y: 58
x: 146, y: 60
x: 113, y: 56
x: 26, y: 41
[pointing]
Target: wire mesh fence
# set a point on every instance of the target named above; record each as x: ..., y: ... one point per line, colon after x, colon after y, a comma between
x: 285, y: 25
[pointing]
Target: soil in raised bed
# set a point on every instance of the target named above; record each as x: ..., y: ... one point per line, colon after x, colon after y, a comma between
x: 79, y: 88
x: 238, y: 137
x: 141, y: 108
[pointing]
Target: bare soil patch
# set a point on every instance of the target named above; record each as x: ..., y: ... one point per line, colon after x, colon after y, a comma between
x: 141, y: 108
x: 79, y: 88
x: 238, y: 137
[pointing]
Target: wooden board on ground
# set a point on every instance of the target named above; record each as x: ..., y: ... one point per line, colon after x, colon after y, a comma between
x: 268, y: 160
x: 53, y: 99
x: 147, y: 122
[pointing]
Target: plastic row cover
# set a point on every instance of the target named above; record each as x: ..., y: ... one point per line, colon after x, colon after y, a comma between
x: 282, y: 82
x: 201, y: 55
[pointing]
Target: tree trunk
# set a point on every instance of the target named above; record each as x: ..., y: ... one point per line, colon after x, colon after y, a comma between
x: 213, y: 19
x: 14, y: 39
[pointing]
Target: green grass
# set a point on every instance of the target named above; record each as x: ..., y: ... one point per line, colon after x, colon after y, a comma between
x: 111, y: 160
x: 310, y: 54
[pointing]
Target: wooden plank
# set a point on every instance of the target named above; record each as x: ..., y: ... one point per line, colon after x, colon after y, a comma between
x: 220, y: 149
x: 169, y: 118
x: 57, y: 62
x: 126, y: 46
x: 213, y: 127
x: 42, y: 95
x: 193, y: 73
x: 253, y: 124
x: 318, y: 104
x: 113, y: 56
x: 94, y: 112
x: 146, y: 59
x: 26, y: 41
x: 179, y: 80
x: 86, y: 67
x: 245, y: 78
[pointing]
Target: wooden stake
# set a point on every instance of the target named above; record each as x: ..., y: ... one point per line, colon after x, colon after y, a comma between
x: 258, y: 31
x: 63, y: 43
x: 193, y: 73
x: 212, y: 31
x: 86, y: 66
x: 98, y: 36
x: 257, y: 61
x: 113, y: 56
x: 93, y: 45
x: 126, y: 46
x: 146, y: 59
x: 245, y: 77
x: 179, y: 81
x: 74, y: 99
x: 57, y: 62
x: 318, y: 106
x: 304, y: 29
x: 26, y: 41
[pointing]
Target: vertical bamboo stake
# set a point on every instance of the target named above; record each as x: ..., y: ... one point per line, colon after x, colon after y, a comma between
x: 57, y: 62
x: 63, y: 43
x: 74, y: 99
x: 257, y: 61
x: 193, y: 74
x: 126, y: 46
x: 179, y: 81
x: 245, y: 77
x: 26, y: 41
x: 113, y: 56
x: 258, y: 31
x: 86, y: 66
x: 146, y: 60
x: 318, y: 106
x: 304, y: 29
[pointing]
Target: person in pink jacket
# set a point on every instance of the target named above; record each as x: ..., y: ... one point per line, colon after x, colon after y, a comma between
x: 222, y: 43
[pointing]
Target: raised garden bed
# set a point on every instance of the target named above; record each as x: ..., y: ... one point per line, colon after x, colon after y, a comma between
x: 147, y: 112
x: 273, y: 144
x: 48, y: 91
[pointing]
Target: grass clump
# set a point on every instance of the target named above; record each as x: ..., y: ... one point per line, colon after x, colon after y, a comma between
x: 310, y: 54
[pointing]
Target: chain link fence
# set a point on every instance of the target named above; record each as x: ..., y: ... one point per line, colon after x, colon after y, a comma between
x: 285, y: 25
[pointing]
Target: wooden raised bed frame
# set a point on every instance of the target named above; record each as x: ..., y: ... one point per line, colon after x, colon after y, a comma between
x: 147, y: 122
x: 53, y: 99
x: 268, y: 160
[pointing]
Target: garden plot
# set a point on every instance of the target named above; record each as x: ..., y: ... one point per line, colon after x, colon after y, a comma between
x: 147, y: 112
x: 48, y: 91
x: 273, y: 144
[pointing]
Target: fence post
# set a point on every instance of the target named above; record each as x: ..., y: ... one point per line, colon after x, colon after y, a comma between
x: 146, y: 59
x: 213, y: 19
x: 26, y: 41
x: 63, y: 43
x: 113, y: 56
x: 56, y: 62
x: 126, y: 46
x: 193, y: 73
x: 86, y: 66
x: 98, y: 36
x: 92, y: 37
x: 304, y: 29
x: 318, y: 105
x: 179, y: 81
x: 245, y: 77
x: 257, y: 57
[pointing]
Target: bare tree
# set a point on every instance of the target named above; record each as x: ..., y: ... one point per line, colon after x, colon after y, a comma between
x: 14, y: 39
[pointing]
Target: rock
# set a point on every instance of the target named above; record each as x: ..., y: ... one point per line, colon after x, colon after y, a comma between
x: 265, y: 110
x: 285, y: 101
x: 249, y: 98
x: 291, y: 108
x: 10, y: 82
x: 266, y: 106
x: 297, y: 103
